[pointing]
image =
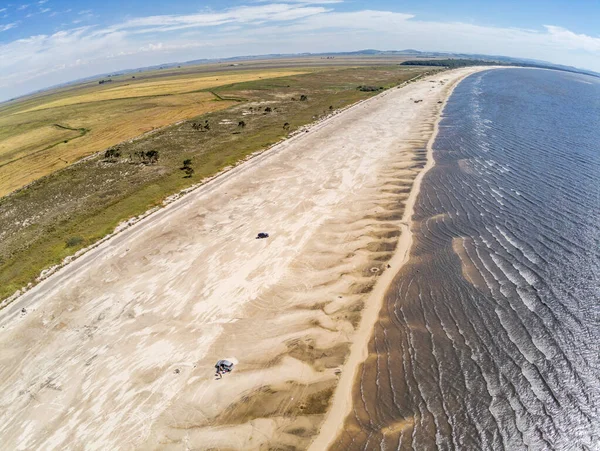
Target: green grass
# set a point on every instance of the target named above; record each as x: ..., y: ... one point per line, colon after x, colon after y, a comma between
x: 75, y: 207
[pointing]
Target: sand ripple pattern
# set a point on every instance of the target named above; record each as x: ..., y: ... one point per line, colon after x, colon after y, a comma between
x: 489, y: 337
x: 117, y: 350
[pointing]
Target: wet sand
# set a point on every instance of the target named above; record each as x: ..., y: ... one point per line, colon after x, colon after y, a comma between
x: 117, y: 349
x: 342, y: 402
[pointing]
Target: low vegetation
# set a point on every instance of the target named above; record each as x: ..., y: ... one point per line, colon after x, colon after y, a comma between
x: 74, y: 207
x: 48, y: 132
x: 370, y: 88
x: 452, y: 63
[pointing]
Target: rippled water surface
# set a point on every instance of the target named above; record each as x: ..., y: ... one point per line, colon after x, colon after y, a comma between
x: 490, y: 337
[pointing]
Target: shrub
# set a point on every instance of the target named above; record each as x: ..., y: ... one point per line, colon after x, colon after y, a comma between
x: 73, y: 241
x: 369, y: 88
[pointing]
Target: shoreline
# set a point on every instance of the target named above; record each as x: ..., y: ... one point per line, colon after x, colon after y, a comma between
x: 148, y: 312
x: 341, y: 405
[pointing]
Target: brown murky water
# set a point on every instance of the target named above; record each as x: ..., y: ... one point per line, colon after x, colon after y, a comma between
x: 489, y: 338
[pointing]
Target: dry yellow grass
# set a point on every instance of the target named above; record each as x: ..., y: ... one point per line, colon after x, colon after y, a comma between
x: 32, y: 146
x: 31, y: 141
x: 108, y: 126
x: 162, y: 87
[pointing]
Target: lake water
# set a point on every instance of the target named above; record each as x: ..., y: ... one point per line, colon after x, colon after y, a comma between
x: 490, y: 337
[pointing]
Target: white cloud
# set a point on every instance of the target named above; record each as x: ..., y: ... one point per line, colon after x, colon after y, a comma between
x: 22, y: 7
x: 8, y: 26
x: 2, y: 10
x: 241, y: 15
x: 570, y: 40
x: 57, y: 13
x: 261, y: 28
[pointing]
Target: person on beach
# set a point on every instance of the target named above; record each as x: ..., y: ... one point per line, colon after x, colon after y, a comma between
x: 222, y: 367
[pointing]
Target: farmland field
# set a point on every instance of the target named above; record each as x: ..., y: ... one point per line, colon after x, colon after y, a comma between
x: 75, y: 205
x: 50, y: 132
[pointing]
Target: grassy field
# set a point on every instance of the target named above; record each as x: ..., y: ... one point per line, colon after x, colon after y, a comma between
x: 74, y: 207
x: 49, y: 132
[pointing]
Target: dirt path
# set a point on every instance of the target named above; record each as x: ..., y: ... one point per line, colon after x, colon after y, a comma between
x: 116, y: 350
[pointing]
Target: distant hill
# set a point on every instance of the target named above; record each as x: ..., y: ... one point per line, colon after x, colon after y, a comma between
x: 409, y: 53
x: 406, y: 52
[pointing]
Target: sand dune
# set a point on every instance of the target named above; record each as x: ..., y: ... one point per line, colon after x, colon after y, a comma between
x: 116, y: 351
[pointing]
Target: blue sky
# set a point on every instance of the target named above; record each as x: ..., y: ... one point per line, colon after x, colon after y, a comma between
x: 46, y: 42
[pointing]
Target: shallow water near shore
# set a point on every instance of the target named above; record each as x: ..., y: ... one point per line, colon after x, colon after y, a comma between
x: 488, y: 338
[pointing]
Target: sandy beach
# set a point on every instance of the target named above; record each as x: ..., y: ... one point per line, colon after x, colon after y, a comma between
x: 117, y: 349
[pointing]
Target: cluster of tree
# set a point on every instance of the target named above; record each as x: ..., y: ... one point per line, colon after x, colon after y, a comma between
x: 112, y: 154
x: 303, y: 98
x: 202, y: 127
x: 101, y: 82
x: 150, y: 157
x: 464, y: 62
x: 187, y: 168
x: 365, y: 88
x: 268, y: 109
x: 450, y: 62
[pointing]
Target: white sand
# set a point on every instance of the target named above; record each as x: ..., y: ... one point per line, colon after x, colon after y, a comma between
x: 92, y: 361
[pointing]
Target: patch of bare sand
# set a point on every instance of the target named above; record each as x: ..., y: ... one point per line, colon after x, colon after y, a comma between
x: 117, y: 349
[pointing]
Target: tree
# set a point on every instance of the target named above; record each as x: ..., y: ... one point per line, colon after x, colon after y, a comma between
x: 241, y: 124
x: 112, y: 153
x: 268, y: 109
x: 330, y: 107
x: 187, y: 168
x: 152, y: 156
x: 199, y: 126
x: 303, y: 98
x: 286, y: 126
